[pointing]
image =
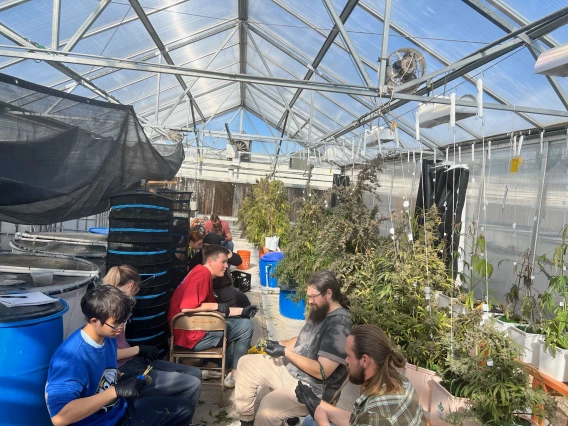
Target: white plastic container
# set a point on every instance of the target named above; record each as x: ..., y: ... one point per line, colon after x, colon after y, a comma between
x: 42, y: 277
x: 528, y: 342
x: 271, y: 243
x: 503, y: 326
x: 553, y: 366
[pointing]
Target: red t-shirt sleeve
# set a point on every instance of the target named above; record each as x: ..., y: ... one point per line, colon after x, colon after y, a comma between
x: 197, y: 291
x: 225, y: 227
x: 208, y: 226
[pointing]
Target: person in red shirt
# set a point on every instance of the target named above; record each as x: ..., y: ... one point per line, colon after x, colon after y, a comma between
x: 195, y: 294
x: 221, y: 227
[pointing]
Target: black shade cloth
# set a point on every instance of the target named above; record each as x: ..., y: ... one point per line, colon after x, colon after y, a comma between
x: 446, y: 188
x: 63, y: 156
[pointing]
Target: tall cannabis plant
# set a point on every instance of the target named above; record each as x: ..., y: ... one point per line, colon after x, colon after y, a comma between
x: 265, y: 212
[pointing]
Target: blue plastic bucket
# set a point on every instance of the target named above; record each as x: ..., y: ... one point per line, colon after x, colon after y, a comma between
x: 26, y: 348
x: 290, y: 309
x: 266, y: 268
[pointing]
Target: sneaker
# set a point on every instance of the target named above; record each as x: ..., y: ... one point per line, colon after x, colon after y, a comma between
x: 229, y: 381
x: 210, y: 374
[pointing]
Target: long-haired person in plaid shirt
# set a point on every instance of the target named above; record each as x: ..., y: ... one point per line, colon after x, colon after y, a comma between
x: 387, y: 397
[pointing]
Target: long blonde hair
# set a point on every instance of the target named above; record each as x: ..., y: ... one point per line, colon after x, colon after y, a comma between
x: 119, y: 276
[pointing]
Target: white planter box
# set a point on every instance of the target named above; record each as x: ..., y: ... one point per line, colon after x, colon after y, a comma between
x: 442, y: 403
x: 529, y: 344
x: 553, y: 366
x: 444, y: 301
x: 420, y: 379
x: 503, y: 326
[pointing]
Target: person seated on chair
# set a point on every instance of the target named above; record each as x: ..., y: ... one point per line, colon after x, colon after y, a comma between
x: 225, y: 291
x: 195, y: 294
x: 84, y: 387
x: 371, y: 361
x: 168, y: 378
x: 221, y: 227
x: 195, y: 250
x: 316, y: 356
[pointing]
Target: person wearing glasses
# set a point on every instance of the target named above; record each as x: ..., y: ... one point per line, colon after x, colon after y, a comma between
x: 168, y: 378
x: 387, y: 397
x: 316, y: 357
x: 84, y: 386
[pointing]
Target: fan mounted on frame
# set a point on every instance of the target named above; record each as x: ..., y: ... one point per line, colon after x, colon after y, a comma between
x: 403, y: 66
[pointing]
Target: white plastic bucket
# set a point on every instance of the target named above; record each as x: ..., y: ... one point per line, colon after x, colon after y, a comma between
x: 271, y: 243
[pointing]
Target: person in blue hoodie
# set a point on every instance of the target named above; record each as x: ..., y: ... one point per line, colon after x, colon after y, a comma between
x: 84, y: 386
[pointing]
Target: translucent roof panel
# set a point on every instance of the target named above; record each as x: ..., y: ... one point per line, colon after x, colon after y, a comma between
x: 286, y: 36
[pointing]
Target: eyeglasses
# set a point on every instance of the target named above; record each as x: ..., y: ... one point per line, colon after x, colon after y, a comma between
x: 116, y: 327
x: 313, y: 296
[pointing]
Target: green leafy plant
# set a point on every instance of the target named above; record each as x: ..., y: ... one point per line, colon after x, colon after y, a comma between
x: 484, y: 367
x: 393, y: 287
x: 555, y: 328
x: 522, y: 299
x: 264, y: 212
x: 328, y: 238
x: 477, y: 271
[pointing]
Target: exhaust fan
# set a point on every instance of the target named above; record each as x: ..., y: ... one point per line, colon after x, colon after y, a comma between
x: 553, y: 62
x: 432, y: 114
x: 403, y: 66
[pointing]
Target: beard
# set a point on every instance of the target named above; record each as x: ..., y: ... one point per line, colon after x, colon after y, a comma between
x: 356, y: 377
x: 319, y: 313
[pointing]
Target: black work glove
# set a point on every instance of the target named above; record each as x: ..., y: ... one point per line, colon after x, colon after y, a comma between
x: 274, y: 349
x: 150, y: 352
x: 128, y: 375
x: 223, y: 308
x: 306, y: 396
x: 130, y: 388
x: 272, y: 342
x: 249, y: 311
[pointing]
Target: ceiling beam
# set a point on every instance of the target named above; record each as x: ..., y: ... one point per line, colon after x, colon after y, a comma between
x: 243, y: 17
x: 484, y: 55
x: 162, y: 48
x: 347, y: 40
x: 534, y: 47
x: 345, y: 13
x: 443, y: 60
x: 101, y: 6
x: 56, y: 16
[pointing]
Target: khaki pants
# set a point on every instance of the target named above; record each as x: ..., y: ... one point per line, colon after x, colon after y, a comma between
x: 263, y: 371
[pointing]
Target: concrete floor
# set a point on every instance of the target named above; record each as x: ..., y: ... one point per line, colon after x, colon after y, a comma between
x: 269, y: 324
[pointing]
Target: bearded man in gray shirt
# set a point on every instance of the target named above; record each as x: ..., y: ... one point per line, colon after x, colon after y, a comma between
x: 316, y: 357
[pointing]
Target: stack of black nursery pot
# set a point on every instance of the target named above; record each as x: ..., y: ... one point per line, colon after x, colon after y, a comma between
x: 140, y: 235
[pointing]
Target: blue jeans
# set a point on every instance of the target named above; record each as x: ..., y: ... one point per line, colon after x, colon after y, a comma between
x: 239, y: 331
x: 156, y: 410
x: 309, y: 421
x: 169, y: 379
x: 229, y: 244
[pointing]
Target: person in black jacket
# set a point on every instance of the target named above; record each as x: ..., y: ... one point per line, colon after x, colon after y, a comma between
x: 223, y: 286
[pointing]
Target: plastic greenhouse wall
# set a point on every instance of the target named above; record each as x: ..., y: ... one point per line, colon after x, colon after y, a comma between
x: 520, y: 211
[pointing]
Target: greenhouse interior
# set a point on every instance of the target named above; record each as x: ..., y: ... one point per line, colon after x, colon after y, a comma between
x: 283, y: 212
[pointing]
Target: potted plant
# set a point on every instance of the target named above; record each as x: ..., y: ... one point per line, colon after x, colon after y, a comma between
x: 447, y: 388
x: 265, y: 213
x: 388, y: 286
x: 496, y: 382
x: 553, y: 358
x: 325, y: 238
x: 523, y: 304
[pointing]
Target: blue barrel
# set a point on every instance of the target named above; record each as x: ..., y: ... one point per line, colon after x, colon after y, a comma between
x: 28, y: 338
x: 266, y: 268
x: 290, y: 309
